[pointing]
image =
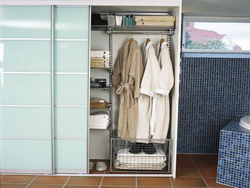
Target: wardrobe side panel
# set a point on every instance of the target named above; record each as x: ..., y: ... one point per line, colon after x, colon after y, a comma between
x: 175, y: 55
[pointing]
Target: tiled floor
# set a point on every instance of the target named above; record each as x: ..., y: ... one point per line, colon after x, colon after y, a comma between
x: 192, y: 171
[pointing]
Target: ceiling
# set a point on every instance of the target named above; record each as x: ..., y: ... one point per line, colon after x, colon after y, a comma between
x: 230, y: 8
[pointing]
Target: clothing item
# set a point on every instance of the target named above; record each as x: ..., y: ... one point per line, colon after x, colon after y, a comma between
x: 127, y: 78
x: 139, y: 147
x: 170, y: 24
x: 164, y: 84
x: 155, y: 18
x: 148, y: 85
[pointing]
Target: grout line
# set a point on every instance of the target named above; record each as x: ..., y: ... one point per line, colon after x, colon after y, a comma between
x: 136, y: 182
x: 171, y: 183
x: 66, y: 182
x: 101, y: 182
x: 198, y: 171
x: 31, y: 181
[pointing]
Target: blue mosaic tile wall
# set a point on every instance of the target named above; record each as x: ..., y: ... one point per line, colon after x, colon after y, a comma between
x: 234, y: 156
x: 213, y: 91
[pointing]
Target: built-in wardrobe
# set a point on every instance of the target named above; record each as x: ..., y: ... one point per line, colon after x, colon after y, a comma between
x: 45, y: 84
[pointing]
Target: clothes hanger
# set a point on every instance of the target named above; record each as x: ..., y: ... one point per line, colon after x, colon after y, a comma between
x: 130, y: 40
x: 147, y: 40
x: 161, y: 41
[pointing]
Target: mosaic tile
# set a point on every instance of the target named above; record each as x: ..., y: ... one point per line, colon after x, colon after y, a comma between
x: 214, y: 89
x: 234, y: 156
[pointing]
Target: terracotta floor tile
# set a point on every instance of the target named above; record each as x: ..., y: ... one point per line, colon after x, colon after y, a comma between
x: 45, y: 186
x: 93, y: 181
x: 118, y: 187
x: 211, y: 182
x: 188, y: 182
x: 206, y: 165
x: 118, y: 181
x: 12, y: 186
x: 142, y: 182
x: 184, y: 173
x: 16, y: 179
x: 183, y: 157
x: 52, y: 180
x: 82, y: 187
x: 208, y: 173
x: 204, y: 157
x: 185, y: 165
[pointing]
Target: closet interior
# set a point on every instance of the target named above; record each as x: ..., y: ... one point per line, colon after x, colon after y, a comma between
x: 109, y: 35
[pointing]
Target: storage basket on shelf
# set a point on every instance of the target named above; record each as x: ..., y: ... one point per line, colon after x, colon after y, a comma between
x: 140, y: 155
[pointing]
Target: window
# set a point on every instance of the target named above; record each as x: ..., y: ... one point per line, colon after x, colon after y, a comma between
x: 216, y: 34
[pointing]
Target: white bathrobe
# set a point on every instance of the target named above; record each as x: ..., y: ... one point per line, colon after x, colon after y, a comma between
x: 148, y: 86
x: 164, y: 85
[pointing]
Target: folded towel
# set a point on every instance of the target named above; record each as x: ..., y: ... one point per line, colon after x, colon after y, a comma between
x: 98, y: 126
x: 171, y: 24
x: 99, y: 53
x: 138, y: 166
x: 124, y: 156
x: 155, y: 18
x: 96, y: 122
x: 99, y: 117
x: 99, y: 58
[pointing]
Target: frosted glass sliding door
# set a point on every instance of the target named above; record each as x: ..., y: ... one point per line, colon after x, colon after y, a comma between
x: 71, y: 88
x: 25, y: 89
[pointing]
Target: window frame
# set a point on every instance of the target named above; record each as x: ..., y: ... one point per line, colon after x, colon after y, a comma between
x: 211, y: 19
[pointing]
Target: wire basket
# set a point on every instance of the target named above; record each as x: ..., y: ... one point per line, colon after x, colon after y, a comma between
x: 140, y: 155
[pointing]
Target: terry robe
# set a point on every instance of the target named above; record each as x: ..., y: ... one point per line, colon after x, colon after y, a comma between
x: 127, y: 78
x: 164, y: 84
x: 148, y: 85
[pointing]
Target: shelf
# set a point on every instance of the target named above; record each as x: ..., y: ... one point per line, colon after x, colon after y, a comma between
x: 103, y: 68
x: 102, y: 88
x: 116, y: 29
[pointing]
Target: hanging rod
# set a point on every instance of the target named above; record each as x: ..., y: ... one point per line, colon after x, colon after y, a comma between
x: 170, y: 32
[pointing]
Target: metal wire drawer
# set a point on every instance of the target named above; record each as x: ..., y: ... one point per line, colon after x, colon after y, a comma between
x: 140, y: 155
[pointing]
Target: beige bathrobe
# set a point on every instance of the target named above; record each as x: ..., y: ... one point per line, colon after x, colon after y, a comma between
x: 164, y: 85
x: 148, y: 85
x: 127, y: 78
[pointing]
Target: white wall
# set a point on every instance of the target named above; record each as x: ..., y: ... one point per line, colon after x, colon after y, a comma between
x: 216, y: 7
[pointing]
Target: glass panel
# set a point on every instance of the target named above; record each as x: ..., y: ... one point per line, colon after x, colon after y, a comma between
x: 26, y: 122
x: 71, y: 156
x: 71, y: 56
x: 25, y: 56
x: 217, y: 36
x: 29, y: 156
x: 71, y: 122
x: 25, y: 89
x: 71, y: 22
x: 71, y: 89
x: 25, y: 21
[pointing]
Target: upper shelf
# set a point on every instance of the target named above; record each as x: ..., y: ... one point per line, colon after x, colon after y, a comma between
x: 122, y: 29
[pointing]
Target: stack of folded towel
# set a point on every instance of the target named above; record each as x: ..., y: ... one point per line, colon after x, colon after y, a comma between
x: 99, y: 120
x: 140, y: 161
x: 100, y: 59
x: 155, y: 20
